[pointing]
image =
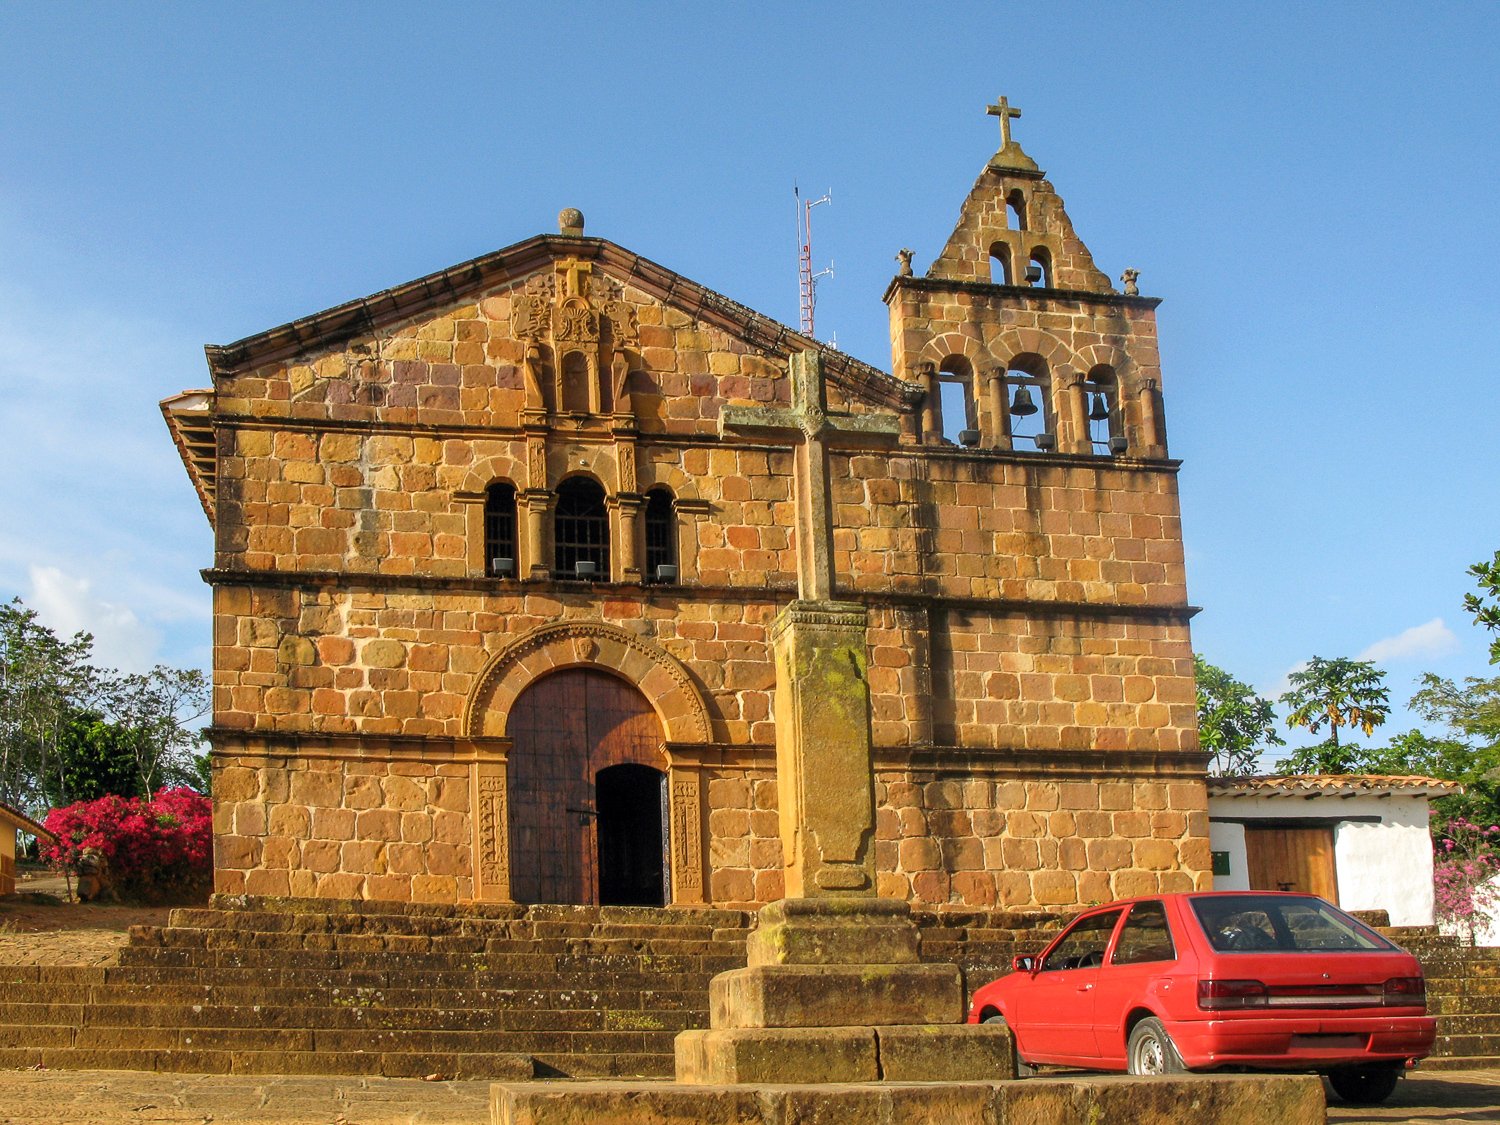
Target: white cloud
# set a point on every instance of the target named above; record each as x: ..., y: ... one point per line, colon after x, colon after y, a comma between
x: 1425, y: 641
x: 67, y: 604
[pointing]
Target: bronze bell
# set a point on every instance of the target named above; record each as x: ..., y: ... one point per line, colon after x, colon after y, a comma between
x: 1099, y: 410
x: 1021, y: 405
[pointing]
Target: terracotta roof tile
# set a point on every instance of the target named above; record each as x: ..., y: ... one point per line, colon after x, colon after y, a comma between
x: 1342, y: 784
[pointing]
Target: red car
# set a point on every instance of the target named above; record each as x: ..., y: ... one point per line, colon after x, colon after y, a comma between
x: 1231, y: 979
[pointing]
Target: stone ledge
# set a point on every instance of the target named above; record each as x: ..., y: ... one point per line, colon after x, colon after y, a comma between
x: 1202, y: 1099
x: 836, y: 996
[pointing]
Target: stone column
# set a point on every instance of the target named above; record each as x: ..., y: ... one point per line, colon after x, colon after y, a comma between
x: 685, y: 809
x: 999, y: 409
x: 627, y: 560
x: 489, y: 798
x: 825, y: 784
x: 1153, y: 441
x: 535, y: 547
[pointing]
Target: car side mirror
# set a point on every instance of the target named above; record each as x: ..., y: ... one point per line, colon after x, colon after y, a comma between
x: 1024, y: 964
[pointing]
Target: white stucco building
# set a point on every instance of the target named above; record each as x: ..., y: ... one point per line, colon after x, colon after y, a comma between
x: 1360, y: 840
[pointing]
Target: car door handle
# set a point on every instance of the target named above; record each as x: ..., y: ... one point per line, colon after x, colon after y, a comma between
x: 1084, y: 987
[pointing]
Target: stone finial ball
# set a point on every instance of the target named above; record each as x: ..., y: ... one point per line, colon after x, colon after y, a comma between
x: 570, y: 220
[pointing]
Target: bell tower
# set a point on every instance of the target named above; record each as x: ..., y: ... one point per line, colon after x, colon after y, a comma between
x: 1019, y: 340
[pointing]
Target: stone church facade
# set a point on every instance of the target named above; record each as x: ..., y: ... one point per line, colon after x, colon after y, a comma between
x: 494, y: 581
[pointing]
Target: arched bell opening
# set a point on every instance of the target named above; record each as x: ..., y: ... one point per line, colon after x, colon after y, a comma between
x: 631, y: 802
x: 1026, y: 404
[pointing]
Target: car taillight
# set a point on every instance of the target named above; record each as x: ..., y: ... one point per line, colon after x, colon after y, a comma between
x: 1405, y: 991
x: 1220, y: 994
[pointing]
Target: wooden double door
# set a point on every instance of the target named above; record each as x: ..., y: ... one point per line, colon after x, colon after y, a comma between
x: 588, y: 793
x: 1292, y: 859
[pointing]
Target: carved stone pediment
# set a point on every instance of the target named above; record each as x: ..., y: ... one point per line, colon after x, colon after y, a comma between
x: 574, y: 321
x: 531, y: 309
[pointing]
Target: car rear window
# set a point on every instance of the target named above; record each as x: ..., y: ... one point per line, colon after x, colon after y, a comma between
x: 1253, y: 923
x: 1144, y: 937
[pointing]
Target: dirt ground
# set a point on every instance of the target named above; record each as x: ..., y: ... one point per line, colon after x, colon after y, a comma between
x: 42, y: 925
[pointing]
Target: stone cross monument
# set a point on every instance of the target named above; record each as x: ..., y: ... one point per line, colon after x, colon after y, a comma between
x: 834, y: 990
x: 824, y: 772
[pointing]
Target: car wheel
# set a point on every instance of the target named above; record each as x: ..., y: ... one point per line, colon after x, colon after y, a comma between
x: 1023, y: 1068
x: 1365, y: 1085
x: 1150, y: 1049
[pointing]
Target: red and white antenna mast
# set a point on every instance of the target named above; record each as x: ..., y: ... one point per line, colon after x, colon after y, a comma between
x: 807, y: 280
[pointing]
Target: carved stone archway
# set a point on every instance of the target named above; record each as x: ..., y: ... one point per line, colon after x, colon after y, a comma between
x: 665, y: 683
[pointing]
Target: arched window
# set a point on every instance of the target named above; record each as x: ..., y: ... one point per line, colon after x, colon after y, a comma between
x: 1101, y: 401
x: 1000, y: 264
x: 1039, y: 272
x: 1015, y: 206
x: 661, y: 537
x: 955, y: 387
x: 580, y: 530
x: 500, y: 530
x: 575, y: 384
x: 1028, y: 404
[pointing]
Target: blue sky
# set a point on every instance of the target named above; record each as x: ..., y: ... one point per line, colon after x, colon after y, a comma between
x: 1308, y: 187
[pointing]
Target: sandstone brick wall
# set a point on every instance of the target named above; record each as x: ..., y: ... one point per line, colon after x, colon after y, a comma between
x: 305, y: 825
x: 407, y: 663
x: 986, y: 841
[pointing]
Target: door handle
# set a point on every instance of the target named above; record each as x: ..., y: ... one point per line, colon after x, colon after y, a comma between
x: 1084, y: 987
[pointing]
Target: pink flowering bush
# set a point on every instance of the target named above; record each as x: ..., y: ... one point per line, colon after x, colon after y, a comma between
x: 1466, y: 876
x: 154, y: 850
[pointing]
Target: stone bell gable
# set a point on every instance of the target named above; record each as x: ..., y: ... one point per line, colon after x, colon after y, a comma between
x: 499, y: 552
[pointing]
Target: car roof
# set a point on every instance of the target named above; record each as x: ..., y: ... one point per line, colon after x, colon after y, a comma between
x: 1186, y: 895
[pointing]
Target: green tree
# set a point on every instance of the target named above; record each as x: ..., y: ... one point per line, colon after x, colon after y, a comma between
x: 158, y: 709
x: 1471, y: 754
x: 1485, y: 605
x: 44, y: 680
x: 1334, y: 693
x: 1233, y: 722
x: 94, y: 759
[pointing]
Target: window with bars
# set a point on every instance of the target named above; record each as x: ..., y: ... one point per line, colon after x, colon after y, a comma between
x: 661, y: 537
x: 500, y: 531
x: 580, y: 530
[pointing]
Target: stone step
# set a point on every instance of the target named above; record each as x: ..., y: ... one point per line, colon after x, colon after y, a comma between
x: 155, y: 944
x: 650, y: 993
x: 1466, y: 1045
x: 548, y: 1013
x: 1461, y: 1062
x: 393, y: 1064
x: 542, y: 912
x: 583, y: 961
x: 197, y: 977
x: 223, y: 925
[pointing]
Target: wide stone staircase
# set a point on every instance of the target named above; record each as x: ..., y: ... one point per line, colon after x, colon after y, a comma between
x: 292, y: 986
x: 287, y: 986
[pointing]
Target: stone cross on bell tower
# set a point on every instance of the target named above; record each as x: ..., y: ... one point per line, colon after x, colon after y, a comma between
x: 824, y: 773
x: 1004, y: 111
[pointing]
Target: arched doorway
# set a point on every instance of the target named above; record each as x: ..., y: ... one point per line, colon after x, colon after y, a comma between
x: 567, y: 729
